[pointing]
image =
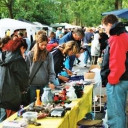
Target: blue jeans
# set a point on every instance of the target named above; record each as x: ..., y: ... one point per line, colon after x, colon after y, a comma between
x: 116, y: 104
x: 71, y: 61
x: 2, y: 114
x: 87, y: 54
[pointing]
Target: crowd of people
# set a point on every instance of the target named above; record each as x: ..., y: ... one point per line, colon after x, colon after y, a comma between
x: 35, y: 68
x: 48, y: 61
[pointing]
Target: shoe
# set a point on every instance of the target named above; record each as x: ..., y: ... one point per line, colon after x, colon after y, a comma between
x: 78, y: 61
x: 85, y: 65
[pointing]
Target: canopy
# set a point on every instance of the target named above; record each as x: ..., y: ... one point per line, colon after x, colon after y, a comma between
x: 13, y: 24
x: 58, y: 25
x: 65, y: 25
x: 42, y: 25
x: 122, y: 13
x: 71, y: 26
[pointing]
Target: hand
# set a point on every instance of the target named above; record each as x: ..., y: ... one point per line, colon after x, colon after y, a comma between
x: 52, y: 86
x: 63, y: 78
x: 89, y: 44
x: 82, y: 50
x: 69, y: 72
x: 78, y: 55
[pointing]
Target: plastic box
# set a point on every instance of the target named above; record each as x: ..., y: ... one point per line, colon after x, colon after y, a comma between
x: 30, y: 116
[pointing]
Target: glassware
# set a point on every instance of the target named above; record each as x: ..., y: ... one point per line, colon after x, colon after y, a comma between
x: 38, y: 101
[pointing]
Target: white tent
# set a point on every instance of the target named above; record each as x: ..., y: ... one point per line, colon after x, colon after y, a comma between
x: 38, y: 24
x: 64, y: 25
x: 71, y: 26
x: 41, y: 26
x: 12, y: 24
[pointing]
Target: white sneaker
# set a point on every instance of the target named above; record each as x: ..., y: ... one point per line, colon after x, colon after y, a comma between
x: 85, y: 65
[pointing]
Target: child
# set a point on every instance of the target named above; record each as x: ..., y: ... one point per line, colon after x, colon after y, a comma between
x: 41, y: 67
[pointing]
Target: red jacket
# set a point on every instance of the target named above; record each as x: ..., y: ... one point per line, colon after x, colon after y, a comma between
x: 117, y: 58
x: 12, y: 45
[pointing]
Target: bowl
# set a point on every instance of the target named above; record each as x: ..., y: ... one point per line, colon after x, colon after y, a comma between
x: 31, y: 117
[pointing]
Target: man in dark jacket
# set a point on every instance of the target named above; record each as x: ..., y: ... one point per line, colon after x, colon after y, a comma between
x: 114, y: 71
x: 13, y: 76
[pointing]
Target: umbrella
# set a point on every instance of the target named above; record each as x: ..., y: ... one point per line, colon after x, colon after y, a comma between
x: 122, y: 13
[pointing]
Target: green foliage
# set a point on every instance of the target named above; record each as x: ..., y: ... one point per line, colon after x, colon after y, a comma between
x: 78, y: 12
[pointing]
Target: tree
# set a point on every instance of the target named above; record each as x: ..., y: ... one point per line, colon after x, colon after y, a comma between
x: 78, y: 12
x: 118, y: 4
x: 7, y: 4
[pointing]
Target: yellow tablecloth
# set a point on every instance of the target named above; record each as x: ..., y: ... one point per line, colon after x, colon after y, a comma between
x: 80, y: 107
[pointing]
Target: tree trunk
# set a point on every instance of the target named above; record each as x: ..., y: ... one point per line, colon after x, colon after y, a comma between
x: 118, y: 4
x: 10, y: 12
x: 9, y: 6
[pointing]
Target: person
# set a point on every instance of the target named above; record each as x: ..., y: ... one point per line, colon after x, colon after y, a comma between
x: 58, y: 32
x: 59, y: 56
x: 88, y: 37
x: 53, y: 42
x: 95, y: 49
x: 28, y: 42
x: 37, y: 34
x: 103, y: 39
x: 52, y: 38
x: 13, y: 36
x: 20, y: 35
x: 65, y: 31
x: 41, y: 67
x: 114, y: 69
x: 76, y: 35
x: 23, y: 49
x: 13, y: 76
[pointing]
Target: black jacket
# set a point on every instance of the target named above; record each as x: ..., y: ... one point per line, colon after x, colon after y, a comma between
x: 13, y: 79
x: 59, y: 59
x: 105, y: 66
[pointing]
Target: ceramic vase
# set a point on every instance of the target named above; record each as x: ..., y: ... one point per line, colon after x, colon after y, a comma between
x: 47, y: 96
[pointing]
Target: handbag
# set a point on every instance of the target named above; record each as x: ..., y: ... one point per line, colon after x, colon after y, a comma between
x: 25, y: 97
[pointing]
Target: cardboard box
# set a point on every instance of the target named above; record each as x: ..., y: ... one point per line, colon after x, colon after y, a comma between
x: 89, y: 75
x: 90, y: 123
x: 103, y: 98
x: 94, y: 66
